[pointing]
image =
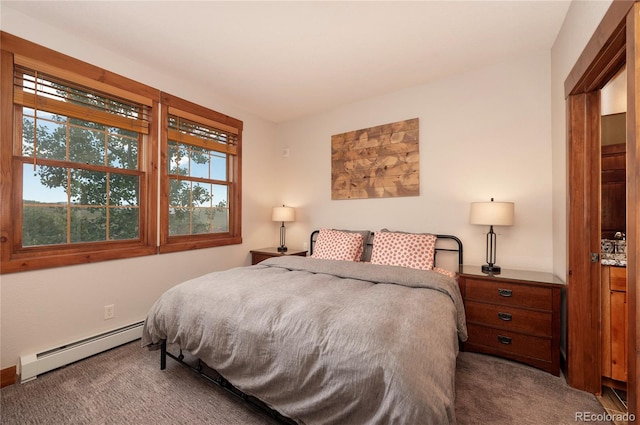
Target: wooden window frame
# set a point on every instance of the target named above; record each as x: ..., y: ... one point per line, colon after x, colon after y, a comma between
x: 176, y: 106
x: 14, y: 257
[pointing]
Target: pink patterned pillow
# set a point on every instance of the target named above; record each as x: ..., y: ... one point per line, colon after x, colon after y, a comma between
x: 337, y: 245
x: 404, y: 249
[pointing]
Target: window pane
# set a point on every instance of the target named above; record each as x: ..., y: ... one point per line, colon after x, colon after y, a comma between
x: 221, y: 208
x: 221, y: 220
x: 197, y: 208
x: 124, y: 223
x: 123, y: 149
x: 124, y: 190
x: 202, y: 220
x: 44, y: 185
x: 220, y: 195
x: 198, y: 162
x: 202, y: 214
x: 172, y: 153
x: 87, y: 142
x: 179, y: 219
x: 218, y: 166
x: 51, y: 140
x: 201, y: 195
x: 178, y: 159
x: 179, y: 193
x: 44, y: 224
x: 45, y: 204
x: 88, y: 224
x: 88, y: 187
x: 44, y: 210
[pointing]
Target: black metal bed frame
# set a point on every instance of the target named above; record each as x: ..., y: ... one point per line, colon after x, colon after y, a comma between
x: 220, y: 381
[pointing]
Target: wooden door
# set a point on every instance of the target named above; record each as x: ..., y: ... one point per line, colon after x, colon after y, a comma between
x: 583, y: 280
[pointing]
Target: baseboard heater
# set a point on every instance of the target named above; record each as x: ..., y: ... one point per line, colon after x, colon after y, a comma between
x: 35, y: 364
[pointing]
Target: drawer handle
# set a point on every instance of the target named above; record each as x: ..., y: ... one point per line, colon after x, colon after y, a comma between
x: 504, y: 339
x: 505, y: 292
x: 505, y: 316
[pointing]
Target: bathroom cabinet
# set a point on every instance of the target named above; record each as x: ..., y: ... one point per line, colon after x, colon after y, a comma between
x: 614, y: 321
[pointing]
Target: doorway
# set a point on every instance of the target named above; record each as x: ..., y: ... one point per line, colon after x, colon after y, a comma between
x: 615, y: 42
x: 613, y: 257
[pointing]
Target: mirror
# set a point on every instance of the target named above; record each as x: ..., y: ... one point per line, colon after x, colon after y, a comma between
x: 613, y: 160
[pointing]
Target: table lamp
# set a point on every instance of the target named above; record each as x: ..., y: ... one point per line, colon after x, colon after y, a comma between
x: 491, y: 214
x: 283, y: 214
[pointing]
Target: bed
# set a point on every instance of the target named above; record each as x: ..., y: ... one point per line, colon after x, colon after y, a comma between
x: 324, y: 339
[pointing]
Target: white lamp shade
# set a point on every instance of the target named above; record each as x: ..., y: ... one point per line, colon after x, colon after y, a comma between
x: 283, y: 214
x: 492, y: 213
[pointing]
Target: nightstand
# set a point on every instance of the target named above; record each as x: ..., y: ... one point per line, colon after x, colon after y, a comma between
x: 515, y: 315
x: 258, y: 255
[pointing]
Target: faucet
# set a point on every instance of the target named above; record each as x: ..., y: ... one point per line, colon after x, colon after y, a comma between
x: 620, y: 236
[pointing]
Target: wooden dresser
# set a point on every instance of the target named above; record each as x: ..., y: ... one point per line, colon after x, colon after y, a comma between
x: 515, y: 315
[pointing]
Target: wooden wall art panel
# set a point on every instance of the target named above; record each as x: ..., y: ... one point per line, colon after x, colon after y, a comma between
x: 376, y: 162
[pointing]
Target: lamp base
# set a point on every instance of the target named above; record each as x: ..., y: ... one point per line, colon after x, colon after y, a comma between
x: 491, y: 268
x: 282, y: 248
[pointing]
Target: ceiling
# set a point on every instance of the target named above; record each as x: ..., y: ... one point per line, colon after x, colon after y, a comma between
x: 283, y: 60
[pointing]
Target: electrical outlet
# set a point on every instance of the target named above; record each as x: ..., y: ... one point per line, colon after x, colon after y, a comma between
x: 109, y: 311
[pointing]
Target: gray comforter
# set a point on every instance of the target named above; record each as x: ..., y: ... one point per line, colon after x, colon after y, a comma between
x: 323, y: 341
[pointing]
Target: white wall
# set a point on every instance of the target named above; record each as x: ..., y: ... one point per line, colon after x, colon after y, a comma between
x: 579, y: 25
x: 42, y: 309
x: 613, y: 96
x: 483, y: 134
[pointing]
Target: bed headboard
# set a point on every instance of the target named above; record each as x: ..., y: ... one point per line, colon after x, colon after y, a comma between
x: 444, y: 244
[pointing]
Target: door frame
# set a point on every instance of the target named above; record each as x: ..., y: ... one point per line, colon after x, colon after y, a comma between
x: 615, y: 42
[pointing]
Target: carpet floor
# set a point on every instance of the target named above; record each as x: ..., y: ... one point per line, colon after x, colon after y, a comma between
x: 125, y: 386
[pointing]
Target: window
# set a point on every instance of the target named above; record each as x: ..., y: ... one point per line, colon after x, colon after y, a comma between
x: 79, y: 154
x: 80, y: 177
x: 77, y: 180
x: 200, y: 203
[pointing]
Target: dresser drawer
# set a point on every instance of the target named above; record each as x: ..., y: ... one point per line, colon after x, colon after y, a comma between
x: 510, y: 342
x: 509, y: 294
x: 618, y: 278
x: 509, y: 318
